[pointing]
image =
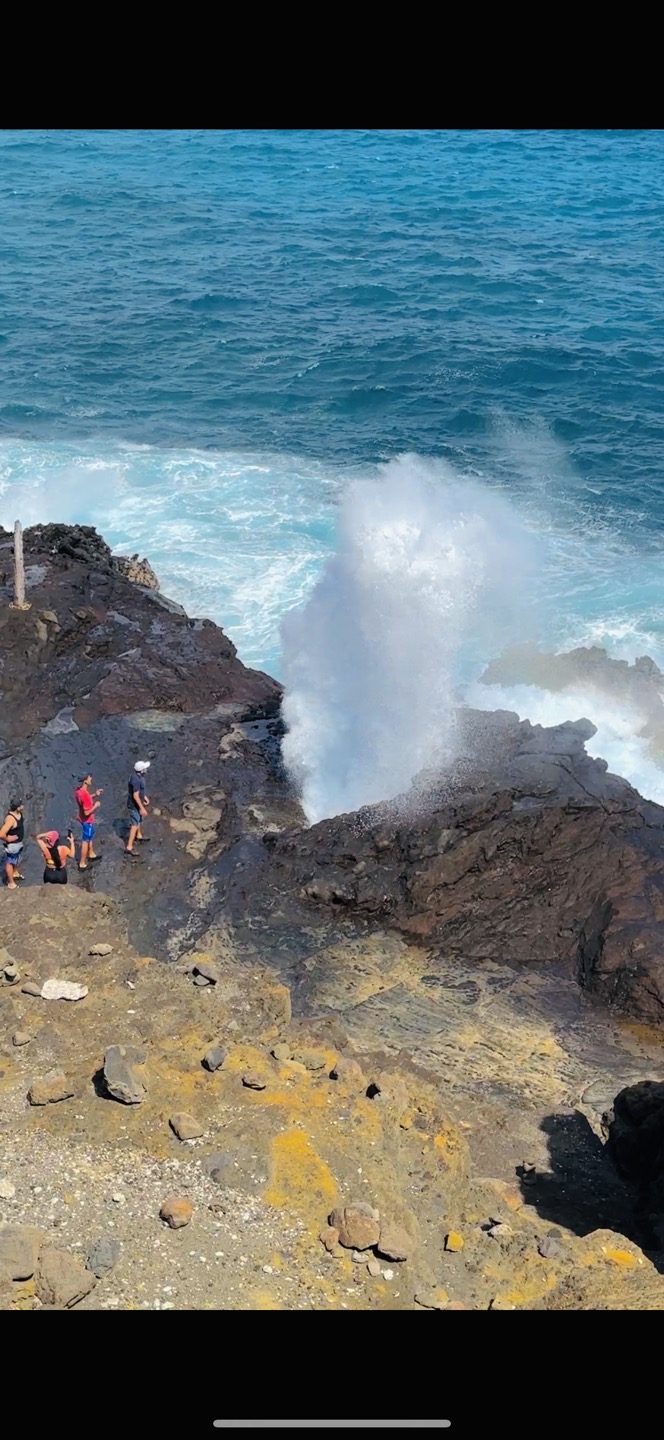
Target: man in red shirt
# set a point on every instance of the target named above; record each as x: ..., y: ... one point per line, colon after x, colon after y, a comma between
x: 87, y: 804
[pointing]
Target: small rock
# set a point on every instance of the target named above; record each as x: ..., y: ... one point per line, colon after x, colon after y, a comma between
x: 253, y: 1081
x: 457, y: 1305
x: 358, y: 1226
x: 501, y: 1232
x: 205, y: 971
x: 52, y: 1088
x: 19, y: 1251
x: 311, y: 1059
x: 10, y: 973
x: 31, y: 988
x: 454, y: 1242
x: 528, y: 1173
x: 50, y: 617
x: 21, y: 1037
x: 7, y: 1190
x: 63, y: 990
x: 550, y: 1248
x: 499, y: 1304
x: 388, y: 1274
x: 373, y: 1266
x: 329, y: 1237
x: 358, y: 1257
x: 185, y: 1126
x: 282, y: 1051
x: 101, y: 950
x: 121, y: 1078
x: 62, y: 1279
x: 103, y: 1256
x: 349, y: 1073
x: 202, y: 980
x: 394, y: 1243
x: 432, y: 1299
x: 176, y: 1211
x: 214, y: 1058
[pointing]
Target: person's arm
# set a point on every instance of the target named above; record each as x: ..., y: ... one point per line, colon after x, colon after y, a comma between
x: 138, y: 801
x: 44, y: 848
x: 70, y: 848
x: 6, y: 827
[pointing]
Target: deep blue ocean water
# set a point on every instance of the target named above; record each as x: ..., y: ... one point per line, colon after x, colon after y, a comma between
x: 204, y: 334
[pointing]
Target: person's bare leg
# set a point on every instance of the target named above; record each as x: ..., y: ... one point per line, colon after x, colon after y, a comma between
x: 85, y: 851
x: 134, y: 831
x: 9, y: 874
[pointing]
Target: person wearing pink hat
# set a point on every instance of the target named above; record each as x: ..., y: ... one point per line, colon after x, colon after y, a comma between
x: 56, y: 853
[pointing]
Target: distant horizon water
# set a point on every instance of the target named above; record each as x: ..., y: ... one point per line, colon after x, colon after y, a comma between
x: 209, y: 339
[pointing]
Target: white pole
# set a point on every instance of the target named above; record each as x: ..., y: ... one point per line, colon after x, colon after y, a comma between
x: 19, y: 570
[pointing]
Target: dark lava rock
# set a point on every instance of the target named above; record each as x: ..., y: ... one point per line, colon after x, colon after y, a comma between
x: 214, y: 1058
x: 635, y: 1128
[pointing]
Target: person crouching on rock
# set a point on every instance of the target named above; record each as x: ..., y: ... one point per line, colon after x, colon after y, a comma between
x: 87, y: 804
x: 137, y: 803
x: 12, y: 837
x: 56, y: 853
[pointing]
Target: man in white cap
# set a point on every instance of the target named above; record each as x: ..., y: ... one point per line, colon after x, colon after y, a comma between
x: 137, y: 805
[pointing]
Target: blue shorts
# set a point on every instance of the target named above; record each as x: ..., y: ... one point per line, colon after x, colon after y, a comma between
x: 87, y: 831
x: 14, y: 859
x: 134, y: 816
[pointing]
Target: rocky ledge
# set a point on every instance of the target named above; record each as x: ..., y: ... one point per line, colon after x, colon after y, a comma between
x: 384, y: 1062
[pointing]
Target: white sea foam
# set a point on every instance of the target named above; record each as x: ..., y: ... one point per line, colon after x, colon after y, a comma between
x: 429, y: 570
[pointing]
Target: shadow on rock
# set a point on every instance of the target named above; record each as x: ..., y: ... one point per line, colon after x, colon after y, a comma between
x: 583, y: 1190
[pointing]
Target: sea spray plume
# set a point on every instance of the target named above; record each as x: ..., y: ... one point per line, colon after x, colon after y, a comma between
x: 428, y: 568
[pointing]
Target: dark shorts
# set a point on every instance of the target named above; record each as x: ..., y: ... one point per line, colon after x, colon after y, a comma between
x: 135, y: 816
x: 87, y: 830
x: 55, y: 877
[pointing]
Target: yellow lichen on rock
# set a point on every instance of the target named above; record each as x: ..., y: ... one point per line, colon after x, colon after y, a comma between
x: 300, y: 1181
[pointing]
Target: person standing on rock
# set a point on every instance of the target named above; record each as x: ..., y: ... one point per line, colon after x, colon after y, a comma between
x: 12, y: 836
x: 87, y: 804
x: 56, y: 853
x: 137, y: 805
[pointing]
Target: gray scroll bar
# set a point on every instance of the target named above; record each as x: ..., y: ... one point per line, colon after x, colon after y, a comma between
x: 332, y: 1424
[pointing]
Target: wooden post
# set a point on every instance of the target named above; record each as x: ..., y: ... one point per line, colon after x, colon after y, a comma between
x: 19, y: 602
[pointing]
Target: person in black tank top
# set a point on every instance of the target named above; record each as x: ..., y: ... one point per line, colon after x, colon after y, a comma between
x: 12, y: 836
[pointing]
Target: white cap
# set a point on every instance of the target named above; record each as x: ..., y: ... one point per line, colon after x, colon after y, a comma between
x: 142, y: 765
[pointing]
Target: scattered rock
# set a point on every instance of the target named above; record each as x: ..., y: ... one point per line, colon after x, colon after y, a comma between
x: 373, y: 1266
x: 7, y: 1190
x: 501, y: 1232
x: 432, y: 1299
x: 21, y: 1037
x: 549, y: 1247
x: 101, y: 950
x: 454, y: 1242
x: 214, y: 1058
x: 176, y: 1211
x: 528, y: 1173
x: 52, y: 1088
x: 311, y: 1059
x: 500, y: 1304
x: 282, y: 1051
x: 10, y: 973
x: 388, y: 1274
x: 329, y: 1237
x: 121, y: 1078
x: 220, y: 1168
x: 31, y: 988
x: 63, y: 990
x: 202, y: 980
x: 19, y: 1251
x: 103, y: 1256
x: 253, y: 1081
x: 62, y: 1279
x: 394, y: 1243
x: 358, y: 1226
x: 457, y: 1305
x: 202, y: 970
x: 185, y: 1126
x: 349, y: 1073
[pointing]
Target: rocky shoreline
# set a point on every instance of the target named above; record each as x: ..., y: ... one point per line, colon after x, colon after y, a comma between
x: 368, y: 1064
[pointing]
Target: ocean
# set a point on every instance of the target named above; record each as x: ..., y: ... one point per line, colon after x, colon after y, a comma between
x: 401, y: 390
